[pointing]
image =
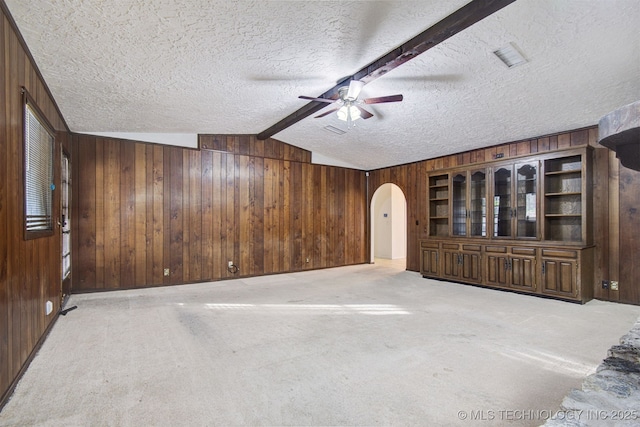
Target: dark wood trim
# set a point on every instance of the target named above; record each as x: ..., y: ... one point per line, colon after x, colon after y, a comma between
x: 478, y: 155
x: 459, y: 20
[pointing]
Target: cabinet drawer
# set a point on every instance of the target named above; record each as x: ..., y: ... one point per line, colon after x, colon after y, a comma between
x: 524, y: 251
x: 428, y: 244
x: 472, y: 248
x: 560, y: 253
x: 496, y: 249
x: 455, y: 246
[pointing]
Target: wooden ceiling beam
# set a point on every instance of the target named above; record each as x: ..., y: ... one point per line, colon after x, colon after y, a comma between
x: 459, y: 20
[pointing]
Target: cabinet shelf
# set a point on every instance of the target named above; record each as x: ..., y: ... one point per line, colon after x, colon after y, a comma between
x: 439, y: 199
x: 567, y: 172
x: 567, y: 193
x: 562, y: 215
x: 439, y: 218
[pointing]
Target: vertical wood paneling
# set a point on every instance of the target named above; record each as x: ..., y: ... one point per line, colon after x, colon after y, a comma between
x: 127, y: 215
x: 207, y: 215
x: 601, y: 218
x: 6, y: 374
x: 218, y: 190
x: 229, y: 178
x: 614, y: 224
x: 157, y: 191
x: 30, y: 271
x: 195, y: 216
x: 185, y: 226
x: 629, y: 242
x: 244, y: 222
x: 99, y: 229
x: 176, y: 214
x: 140, y: 218
x: 307, y: 216
x: 257, y: 216
x: 86, y: 221
x: 112, y: 238
x: 192, y: 211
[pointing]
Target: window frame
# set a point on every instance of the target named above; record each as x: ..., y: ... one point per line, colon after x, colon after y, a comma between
x: 29, y: 102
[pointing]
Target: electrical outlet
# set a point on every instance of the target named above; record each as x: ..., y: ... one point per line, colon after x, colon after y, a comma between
x: 166, y: 272
x: 614, y: 285
x: 605, y: 284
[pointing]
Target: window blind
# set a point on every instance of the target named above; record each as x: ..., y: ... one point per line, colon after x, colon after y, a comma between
x: 38, y: 173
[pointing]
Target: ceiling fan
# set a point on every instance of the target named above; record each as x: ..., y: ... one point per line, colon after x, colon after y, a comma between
x: 348, y: 105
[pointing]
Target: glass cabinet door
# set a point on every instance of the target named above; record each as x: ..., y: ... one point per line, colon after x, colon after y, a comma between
x: 459, y: 203
x: 526, y: 200
x: 502, y: 202
x: 478, y: 203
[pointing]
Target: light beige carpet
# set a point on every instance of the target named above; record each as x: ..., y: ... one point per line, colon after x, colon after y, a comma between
x: 359, y: 345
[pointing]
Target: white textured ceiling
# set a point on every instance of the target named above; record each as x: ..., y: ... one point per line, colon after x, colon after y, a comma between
x: 201, y: 66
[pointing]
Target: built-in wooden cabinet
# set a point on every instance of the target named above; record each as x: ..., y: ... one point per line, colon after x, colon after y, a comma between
x: 515, y: 200
x: 469, y: 203
x: 511, y: 266
x: 439, y: 205
x: 565, y: 178
x: 520, y: 224
x: 461, y: 262
x: 429, y: 258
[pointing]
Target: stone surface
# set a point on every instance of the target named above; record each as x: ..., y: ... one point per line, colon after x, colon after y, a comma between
x: 610, y: 396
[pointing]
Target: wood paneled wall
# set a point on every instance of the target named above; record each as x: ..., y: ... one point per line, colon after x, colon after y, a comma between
x: 142, y: 208
x: 616, y: 228
x: 30, y: 270
x: 616, y: 216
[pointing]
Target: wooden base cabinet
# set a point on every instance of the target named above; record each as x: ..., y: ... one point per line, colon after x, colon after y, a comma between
x: 511, y: 267
x: 563, y: 273
x: 462, y: 262
x: 429, y: 258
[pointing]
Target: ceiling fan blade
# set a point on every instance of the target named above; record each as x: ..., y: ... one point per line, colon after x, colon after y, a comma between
x: 355, y: 86
x: 364, y: 113
x: 310, y: 98
x: 381, y: 99
x: 326, y: 113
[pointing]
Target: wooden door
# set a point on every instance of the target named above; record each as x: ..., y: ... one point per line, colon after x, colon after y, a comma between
x: 471, y: 268
x: 429, y: 266
x: 522, y: 273
x: 559, y: 277
x: 496, y: 264
x: 451, y: 264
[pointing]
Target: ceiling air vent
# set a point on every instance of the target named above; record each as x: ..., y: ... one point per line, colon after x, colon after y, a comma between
x: 510, y: 55
x: 334, y: 130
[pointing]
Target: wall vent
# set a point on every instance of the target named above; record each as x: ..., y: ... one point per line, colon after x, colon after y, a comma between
x: 334, y: 130
x: 510, y: 55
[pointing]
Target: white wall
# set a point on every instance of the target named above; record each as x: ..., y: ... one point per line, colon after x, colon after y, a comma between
x: 389, y: 222
x: 398, y: 223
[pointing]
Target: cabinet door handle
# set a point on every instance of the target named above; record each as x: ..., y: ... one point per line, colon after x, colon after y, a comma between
x: 506, y: 265
x: 543, y: 269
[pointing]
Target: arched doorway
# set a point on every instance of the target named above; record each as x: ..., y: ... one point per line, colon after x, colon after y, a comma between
x: 389, y: 226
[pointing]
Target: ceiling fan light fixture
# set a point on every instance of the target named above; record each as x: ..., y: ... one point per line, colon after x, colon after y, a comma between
x: 348, y: 112
x: 355, y: 86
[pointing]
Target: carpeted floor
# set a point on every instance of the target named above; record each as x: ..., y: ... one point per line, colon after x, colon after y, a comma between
x: 359, y: 345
